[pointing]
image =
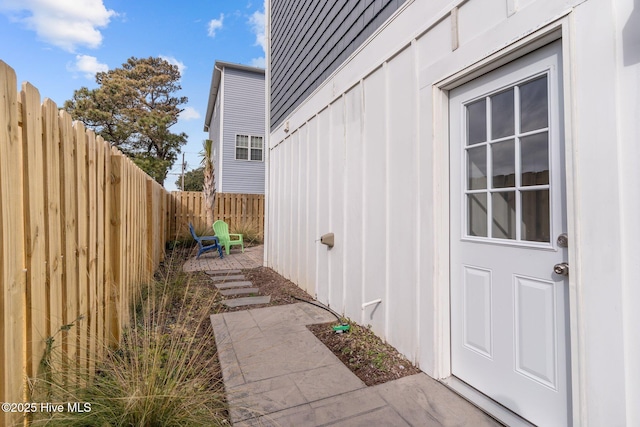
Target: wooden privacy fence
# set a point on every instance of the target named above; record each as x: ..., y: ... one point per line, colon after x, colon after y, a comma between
x: 81, y: 228
x: 237, y: 210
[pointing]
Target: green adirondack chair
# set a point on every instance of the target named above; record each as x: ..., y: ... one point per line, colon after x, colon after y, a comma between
x: 227, y: 240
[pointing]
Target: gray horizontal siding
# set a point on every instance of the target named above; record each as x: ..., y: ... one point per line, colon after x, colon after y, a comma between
x: 311, y: 38
x: 244, y: 113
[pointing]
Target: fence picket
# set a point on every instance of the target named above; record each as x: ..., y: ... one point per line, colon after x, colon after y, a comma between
x: 115, y: 274
x: 53, y: 198
x: 69, y: 338
x: 92, y: 248
x: 35, y: 261
x: 82, y: 239
x: 12, y: 276
x: 101, y: 209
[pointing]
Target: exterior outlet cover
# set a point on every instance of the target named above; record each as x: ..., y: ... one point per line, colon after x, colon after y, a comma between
x: 327, y: 239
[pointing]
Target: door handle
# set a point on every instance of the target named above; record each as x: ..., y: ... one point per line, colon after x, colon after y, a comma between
x: 561, y: 269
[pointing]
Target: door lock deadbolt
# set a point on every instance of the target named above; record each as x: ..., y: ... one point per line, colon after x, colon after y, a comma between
x: 561, y: 269
x: 563, y: 240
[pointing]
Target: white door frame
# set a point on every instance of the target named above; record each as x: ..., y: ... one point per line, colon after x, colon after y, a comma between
x: 560, y: 29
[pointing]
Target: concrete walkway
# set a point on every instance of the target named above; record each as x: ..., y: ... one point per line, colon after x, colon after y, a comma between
x: 277, y: 373
x: 210, y: 261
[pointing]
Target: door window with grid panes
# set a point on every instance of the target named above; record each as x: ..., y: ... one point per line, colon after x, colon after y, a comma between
x: 507, y: 164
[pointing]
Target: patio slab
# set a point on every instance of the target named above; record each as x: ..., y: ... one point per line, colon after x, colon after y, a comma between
x: 277, y: 373
x: 252, y: 257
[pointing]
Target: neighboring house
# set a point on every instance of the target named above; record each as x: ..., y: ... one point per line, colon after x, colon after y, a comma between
x: 450, y: 146
x: 235, y: 121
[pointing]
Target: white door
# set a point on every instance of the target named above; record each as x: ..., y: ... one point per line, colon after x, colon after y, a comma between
x: 509, y: 309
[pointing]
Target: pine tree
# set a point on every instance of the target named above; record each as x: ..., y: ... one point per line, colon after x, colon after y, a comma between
x: 133, y: 109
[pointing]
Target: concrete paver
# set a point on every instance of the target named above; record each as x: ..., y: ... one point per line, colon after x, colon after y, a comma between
x: 221, y: 279
x: 277, y: 373
x: 229, y: 285
x: 222, y: 272
x: 239, y: 291
x: 240, y: 302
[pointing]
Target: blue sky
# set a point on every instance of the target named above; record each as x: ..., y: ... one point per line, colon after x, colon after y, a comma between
x: 59, y: 45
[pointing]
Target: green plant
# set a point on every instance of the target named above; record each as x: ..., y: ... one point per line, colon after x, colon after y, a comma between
x: 250, y: 232
x: 164, y: 373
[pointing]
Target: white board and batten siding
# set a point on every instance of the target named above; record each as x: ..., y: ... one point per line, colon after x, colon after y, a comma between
x: 366, y: 157
x: 326, y: 185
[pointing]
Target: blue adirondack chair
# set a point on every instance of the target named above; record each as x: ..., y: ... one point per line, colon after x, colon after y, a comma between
x: 202, y: 247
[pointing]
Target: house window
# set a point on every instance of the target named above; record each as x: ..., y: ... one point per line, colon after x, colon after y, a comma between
x: 256, y: 148
x: 249, y: 147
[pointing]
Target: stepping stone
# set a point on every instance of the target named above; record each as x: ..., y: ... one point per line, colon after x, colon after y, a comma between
x: 227, y: 278
x: 239, y: 302
x: 222, y: 272
x: 239, y: 291
x: 229, y: 285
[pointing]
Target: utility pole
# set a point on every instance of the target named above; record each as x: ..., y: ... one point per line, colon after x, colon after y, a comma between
x: 183, y: 166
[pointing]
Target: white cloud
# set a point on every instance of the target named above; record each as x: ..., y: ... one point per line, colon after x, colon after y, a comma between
x: 256, y: 21
x: 63, y: 23
x: 89, y: 66
x: 215, y: 25
x: 189, y: 113
x: 173, y: 61
x: 258, y: 62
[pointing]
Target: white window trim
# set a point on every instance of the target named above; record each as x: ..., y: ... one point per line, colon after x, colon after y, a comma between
x: 249, y: 147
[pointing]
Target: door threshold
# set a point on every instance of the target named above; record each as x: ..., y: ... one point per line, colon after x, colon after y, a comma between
x: 485, y: 403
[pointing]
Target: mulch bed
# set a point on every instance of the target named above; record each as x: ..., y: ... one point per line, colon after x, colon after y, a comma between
x: 366, y: 355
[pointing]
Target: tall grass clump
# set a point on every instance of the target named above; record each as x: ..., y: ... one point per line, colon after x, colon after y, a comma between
x: 165, y: 371
x: 250, y: 232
